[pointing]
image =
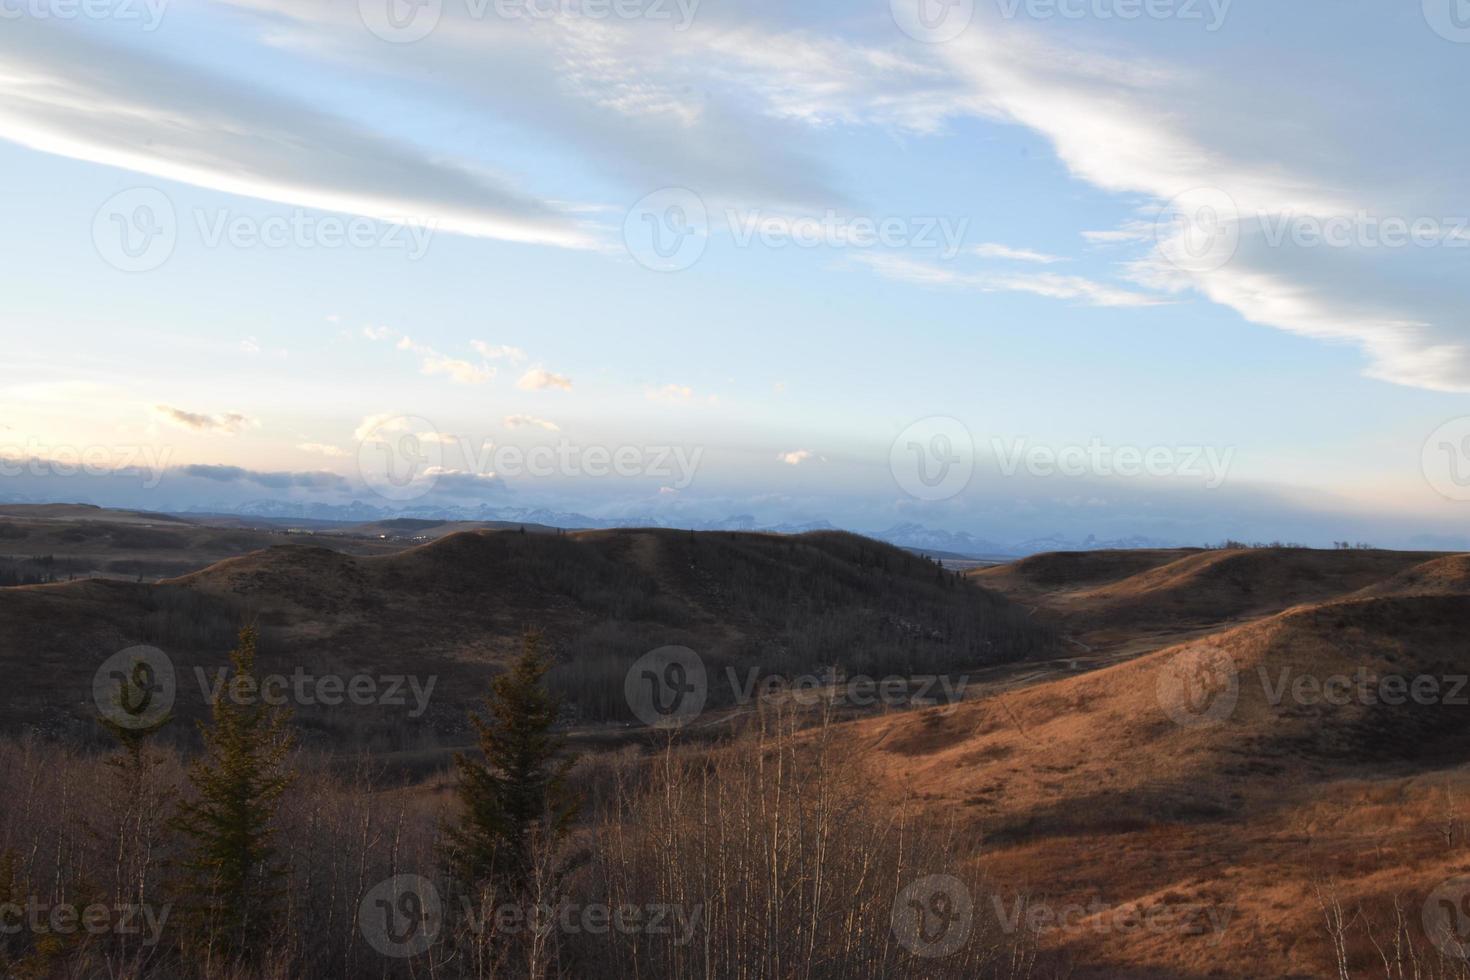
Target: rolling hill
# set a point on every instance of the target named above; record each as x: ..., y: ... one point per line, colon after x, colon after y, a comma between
x: 1106, y: 595
x: 455, y: 608
x: 1241, y: 774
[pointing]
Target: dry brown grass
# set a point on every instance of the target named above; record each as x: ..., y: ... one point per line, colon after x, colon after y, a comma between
x: 1085, y: 787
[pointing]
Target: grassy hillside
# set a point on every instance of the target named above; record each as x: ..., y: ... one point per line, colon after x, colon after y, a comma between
x: 1135, y: 591
x: 1244, y: 773
x: 455, y: 609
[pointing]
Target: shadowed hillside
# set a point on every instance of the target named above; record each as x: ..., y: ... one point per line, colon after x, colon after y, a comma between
x: 1054, y: 570
x: 455, y: 608
x: 1114, y: 594
x: 42, y: 543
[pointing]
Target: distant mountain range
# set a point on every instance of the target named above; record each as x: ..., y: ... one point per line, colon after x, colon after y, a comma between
x: 913, y: 536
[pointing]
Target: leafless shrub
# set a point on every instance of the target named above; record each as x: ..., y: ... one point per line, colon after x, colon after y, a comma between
x: 773, y: 844
x: 769, y: 849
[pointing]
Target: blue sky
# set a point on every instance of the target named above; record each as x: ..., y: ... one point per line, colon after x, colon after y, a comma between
x: 1100, y: 214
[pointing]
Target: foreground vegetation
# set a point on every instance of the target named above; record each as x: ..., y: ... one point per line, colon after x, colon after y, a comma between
x: 760, y: 857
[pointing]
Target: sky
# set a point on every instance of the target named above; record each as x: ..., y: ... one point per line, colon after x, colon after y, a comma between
x: 1182, y: 270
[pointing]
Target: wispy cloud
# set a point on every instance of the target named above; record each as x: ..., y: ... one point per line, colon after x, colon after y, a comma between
x: 431, y: 361
x: 499, y: 352
x: 459, y: 371
x: 386, y: 422
x: 322, y: 449
x: 990, y: 250
x: 1086, y: 291
x: 522, y: 421
x: 669, y: 393
x: 1117, y: 123
x: 1129, y: 232
x: 62, y: 93
x: 227, y: 423
x: 540, y: 379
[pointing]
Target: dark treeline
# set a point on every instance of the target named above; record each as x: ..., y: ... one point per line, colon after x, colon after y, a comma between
x: 31, y: 571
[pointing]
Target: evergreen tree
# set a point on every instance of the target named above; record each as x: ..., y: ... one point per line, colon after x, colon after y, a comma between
x: 231, y: 878
x: 519, y: 790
